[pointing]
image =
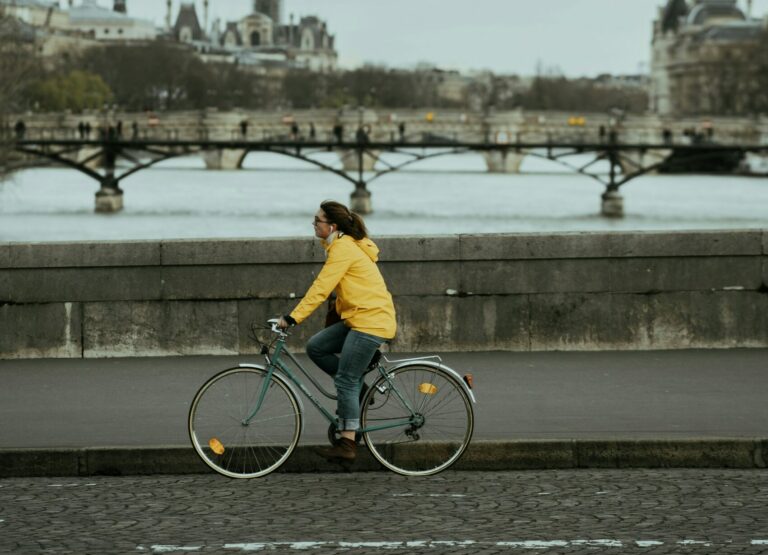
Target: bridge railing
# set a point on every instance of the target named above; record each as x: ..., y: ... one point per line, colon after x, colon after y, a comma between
x: 499, y: 127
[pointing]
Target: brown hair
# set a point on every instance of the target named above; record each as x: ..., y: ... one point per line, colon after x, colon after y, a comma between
x: 345, y: 220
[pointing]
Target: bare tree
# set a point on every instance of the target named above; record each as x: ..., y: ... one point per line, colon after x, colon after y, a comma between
x: 18, y: 65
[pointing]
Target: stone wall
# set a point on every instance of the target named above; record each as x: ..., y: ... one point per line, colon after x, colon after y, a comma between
x: 576, y: 291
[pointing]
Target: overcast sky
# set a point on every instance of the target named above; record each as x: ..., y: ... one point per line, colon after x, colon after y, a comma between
x: 580, y: 37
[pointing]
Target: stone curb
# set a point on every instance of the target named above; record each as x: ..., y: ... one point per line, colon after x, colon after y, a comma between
x: 481, y: 456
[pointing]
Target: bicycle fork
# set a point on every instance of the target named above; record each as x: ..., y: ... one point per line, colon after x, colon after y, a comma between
x: 262, y: 395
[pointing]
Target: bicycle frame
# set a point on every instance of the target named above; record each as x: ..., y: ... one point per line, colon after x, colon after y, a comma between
x: 275, y: 363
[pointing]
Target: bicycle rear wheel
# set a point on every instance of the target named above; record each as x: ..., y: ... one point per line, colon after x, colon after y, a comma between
x: 223, y: 436
x: 441, y: 426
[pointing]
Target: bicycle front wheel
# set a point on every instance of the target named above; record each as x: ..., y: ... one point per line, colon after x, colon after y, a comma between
x: 229, y: 437
x: 418, y: 420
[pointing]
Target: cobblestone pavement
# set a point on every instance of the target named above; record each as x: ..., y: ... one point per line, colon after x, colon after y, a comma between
x: 568, y: 512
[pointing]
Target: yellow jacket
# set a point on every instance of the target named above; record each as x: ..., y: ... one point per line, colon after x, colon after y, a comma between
x: 362, y: 299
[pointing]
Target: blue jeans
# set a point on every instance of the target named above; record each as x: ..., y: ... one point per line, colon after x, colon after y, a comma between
x: 355, y: 350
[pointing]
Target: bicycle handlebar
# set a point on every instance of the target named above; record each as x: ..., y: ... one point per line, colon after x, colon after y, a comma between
x: 275, y: 328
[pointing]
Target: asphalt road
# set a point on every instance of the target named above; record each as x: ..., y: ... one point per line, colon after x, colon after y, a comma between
x: 543, y: 512
x: 659, y: 395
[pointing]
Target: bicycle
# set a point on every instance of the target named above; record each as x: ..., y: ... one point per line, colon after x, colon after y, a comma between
x: 416, y: 417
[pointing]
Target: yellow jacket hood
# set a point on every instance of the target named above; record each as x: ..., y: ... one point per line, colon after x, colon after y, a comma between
x: 366, y: 244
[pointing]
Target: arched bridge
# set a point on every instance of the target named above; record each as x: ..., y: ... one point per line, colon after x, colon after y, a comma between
x: 364, y: 160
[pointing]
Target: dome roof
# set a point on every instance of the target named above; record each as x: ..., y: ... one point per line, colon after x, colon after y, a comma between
x: 718, y: 10
x: 90, y: 11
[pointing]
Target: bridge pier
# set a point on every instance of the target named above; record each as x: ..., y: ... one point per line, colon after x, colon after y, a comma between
x: 612, y: 204
x: 224, y: 159
x: 503, y: 161
x: 352, y: 160
x: 109, y: 199
x: 360, y: 200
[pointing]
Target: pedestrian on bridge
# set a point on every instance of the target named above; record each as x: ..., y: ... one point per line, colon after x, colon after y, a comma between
x: 363, y: 134
x: 338, y: 132
x: 20, y: 129
x: 345, y: 349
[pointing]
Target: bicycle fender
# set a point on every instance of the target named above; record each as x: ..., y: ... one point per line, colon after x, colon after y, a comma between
x: 440, y: 366
x: 288, y: 384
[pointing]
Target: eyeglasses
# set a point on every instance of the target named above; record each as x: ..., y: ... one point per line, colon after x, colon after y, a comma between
x: 317, y: 221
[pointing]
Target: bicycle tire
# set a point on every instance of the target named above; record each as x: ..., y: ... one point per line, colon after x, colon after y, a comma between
x: 217, y: 418
x: 427, y: 447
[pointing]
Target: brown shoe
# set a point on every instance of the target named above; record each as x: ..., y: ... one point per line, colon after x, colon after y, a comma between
x: 344, y: 450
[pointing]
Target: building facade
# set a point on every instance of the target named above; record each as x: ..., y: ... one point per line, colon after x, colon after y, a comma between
x: 86, y: 19
x: 259, y: 40
x: 700, y: 52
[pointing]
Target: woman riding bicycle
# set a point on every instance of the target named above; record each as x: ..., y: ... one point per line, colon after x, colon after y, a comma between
x: 344, y: 349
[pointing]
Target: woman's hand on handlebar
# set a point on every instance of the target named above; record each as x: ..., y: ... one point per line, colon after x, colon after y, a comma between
x: 285, y: 322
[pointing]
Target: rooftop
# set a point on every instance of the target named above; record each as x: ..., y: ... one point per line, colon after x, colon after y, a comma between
x: 90, y: 10
x: 45, y: 4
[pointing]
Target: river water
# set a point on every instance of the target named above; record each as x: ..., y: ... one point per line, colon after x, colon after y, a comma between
x: 274, y: 196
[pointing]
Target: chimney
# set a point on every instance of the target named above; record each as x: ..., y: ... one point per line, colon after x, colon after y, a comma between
x: 205, y: 17
x: 168, y: 15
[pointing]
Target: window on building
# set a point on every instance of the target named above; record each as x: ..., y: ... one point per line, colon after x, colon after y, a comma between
x: 255, y: 38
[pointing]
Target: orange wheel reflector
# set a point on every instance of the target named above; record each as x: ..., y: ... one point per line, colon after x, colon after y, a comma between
x: 427, y: 389
x: 216, y: 446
